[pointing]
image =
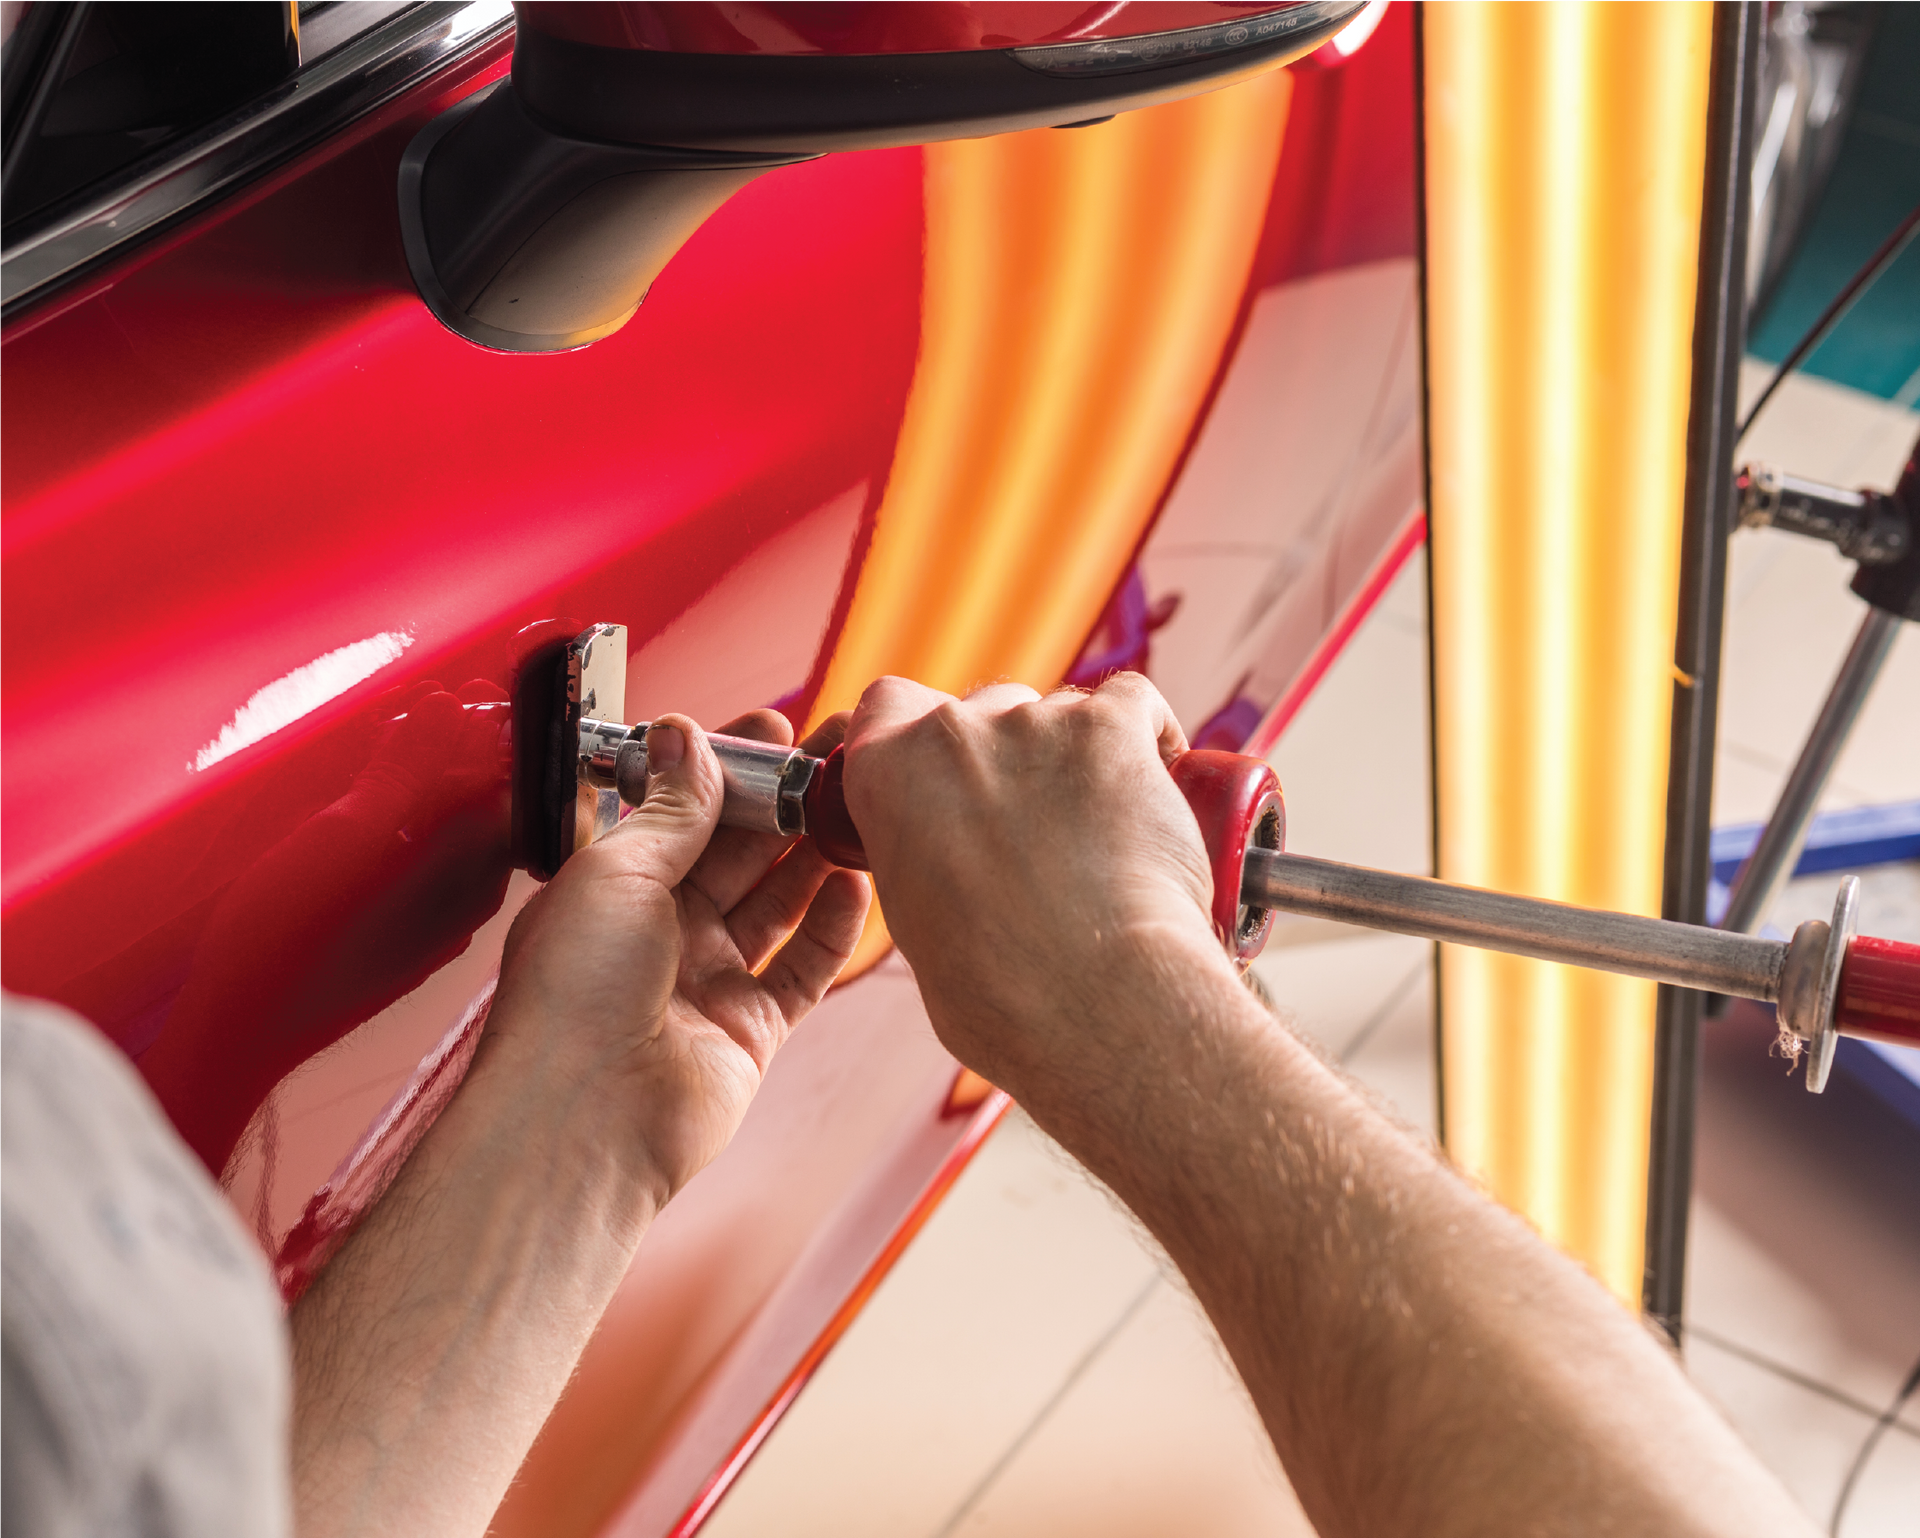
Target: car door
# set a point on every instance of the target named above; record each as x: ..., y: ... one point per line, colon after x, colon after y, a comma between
x: 277, y: 543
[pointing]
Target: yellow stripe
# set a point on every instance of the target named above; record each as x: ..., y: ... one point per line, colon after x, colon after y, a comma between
x: 1565, y: 152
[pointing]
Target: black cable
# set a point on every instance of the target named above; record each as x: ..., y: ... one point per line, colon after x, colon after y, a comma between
x: 1887, y: 1417
x: 1861, y: 281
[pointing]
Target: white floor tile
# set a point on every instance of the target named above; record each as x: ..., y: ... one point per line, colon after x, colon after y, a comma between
x: 1395, y: 1056
x: 1886, y: 1495
x: 1804, y: 1255
x: 1157, y: 1437
x: 1809, y: 1440
x: 1840, y: 1313
x: 1026, y: 1266
x: 1826, y: 431
x: 1889, y: 901
x: 1354, y: 763
x: 1330, y: 992
x: 1790, y: 620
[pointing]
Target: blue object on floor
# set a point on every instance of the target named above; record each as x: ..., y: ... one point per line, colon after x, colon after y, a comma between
x: 1850, y: 839
x: 1842, y: 840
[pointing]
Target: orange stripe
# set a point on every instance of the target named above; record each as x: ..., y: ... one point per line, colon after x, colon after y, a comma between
x: 1081, y: 286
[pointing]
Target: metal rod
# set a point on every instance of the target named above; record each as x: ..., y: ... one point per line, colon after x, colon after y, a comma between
x: 1785, y: 834
x: 1719, y: 333
x: 1687, y: 955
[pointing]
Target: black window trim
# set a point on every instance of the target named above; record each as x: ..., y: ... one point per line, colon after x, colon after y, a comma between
x: 340, y: 86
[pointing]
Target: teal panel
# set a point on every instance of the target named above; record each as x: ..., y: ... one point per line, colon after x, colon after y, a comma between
x: 1875, y: 182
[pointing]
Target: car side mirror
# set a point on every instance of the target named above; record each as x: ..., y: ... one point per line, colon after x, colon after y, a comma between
x: 536, y: 213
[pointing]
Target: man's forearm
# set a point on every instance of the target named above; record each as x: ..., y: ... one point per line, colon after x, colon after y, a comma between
x: 429, y: 1352
x: 1423, y: 1361
x: 642, y: 995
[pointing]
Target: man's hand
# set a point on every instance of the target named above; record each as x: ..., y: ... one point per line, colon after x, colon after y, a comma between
x: 1036, y: 864
x: 665, y: 963
x: 642, y: 995
x: 1424, y: 1363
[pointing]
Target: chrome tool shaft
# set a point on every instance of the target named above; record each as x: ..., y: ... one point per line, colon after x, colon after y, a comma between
x: 1802, y: 976
x: 1686, y: 954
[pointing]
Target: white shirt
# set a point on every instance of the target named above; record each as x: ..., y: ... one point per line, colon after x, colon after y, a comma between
x: 146, y: 1365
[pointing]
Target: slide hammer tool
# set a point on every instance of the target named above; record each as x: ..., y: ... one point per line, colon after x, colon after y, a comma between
x: 1826, y: 981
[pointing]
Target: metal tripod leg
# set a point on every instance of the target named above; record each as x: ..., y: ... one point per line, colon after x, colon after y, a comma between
x: 1785, y: 834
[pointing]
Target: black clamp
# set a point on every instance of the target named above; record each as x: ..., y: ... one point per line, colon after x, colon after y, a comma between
x: 1879, y: 531
x: 1895, y: 585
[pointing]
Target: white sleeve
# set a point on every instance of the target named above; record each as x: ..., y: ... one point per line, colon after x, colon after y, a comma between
x: 146, y: 1370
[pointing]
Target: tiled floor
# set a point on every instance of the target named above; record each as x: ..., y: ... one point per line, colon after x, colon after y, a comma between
x: 1790, y: 616
x: 1032, y: 1368
x: 1804, y: 1283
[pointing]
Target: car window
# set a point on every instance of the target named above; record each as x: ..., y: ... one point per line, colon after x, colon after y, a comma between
x: 89, y: 87
x: 27, y: 31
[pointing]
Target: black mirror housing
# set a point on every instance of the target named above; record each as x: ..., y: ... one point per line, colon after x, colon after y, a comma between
x: 537, y: 213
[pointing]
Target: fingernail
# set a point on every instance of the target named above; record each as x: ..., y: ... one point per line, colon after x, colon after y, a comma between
x: 666, y: 746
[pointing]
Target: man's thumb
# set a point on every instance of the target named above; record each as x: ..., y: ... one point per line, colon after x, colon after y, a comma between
x: 682, y: 794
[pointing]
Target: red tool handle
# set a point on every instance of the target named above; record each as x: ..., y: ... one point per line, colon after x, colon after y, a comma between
x: 1236, y: 800
x: 828, y: 824
x: 1880, y: 990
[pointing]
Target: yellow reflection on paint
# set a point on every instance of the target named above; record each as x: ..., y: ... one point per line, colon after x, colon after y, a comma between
x: 1565, y: 149
x: 1081, y: 286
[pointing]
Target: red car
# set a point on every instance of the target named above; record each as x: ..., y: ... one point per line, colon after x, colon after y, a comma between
x: 293, y: 512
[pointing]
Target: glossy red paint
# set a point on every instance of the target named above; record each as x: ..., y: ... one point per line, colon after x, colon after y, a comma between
x: 934, y: 26
x: 1345, y: 193
x: 239, y: 497
x: 291, y: 539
